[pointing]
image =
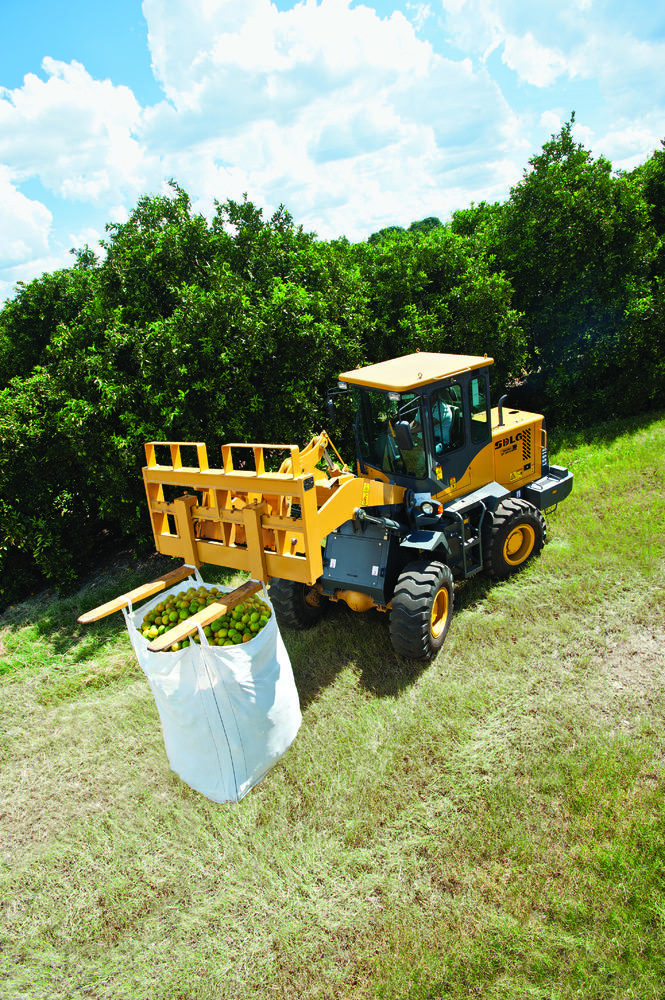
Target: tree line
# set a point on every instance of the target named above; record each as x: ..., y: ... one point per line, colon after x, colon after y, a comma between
x: 185, y: 329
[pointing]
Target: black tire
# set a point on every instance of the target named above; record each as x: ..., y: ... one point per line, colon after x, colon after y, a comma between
x: 421, y: 609
x: 518, y: 533
x: 296, y: 605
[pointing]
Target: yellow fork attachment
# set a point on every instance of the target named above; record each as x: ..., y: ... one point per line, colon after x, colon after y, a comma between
x: 182, y: 629
x: 267, y: 524
x: 139, y: 594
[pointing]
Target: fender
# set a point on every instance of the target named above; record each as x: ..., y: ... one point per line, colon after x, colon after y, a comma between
x: 427, y: 539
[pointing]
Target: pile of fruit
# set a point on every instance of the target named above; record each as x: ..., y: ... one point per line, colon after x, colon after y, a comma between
x: 239, y: 625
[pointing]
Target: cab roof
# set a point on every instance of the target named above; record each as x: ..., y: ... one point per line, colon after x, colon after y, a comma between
x: 413, y: 370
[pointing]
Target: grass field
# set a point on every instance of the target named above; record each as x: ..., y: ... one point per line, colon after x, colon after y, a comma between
x: 488, y: 825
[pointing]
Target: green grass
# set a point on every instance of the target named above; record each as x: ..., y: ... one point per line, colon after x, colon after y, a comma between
x: 488, y: 825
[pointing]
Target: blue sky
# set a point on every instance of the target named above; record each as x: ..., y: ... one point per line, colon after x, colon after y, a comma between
x: 355, y: 115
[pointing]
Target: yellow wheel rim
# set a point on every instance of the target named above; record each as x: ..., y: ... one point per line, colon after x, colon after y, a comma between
x: 519, y: 544
x: 439, y: 612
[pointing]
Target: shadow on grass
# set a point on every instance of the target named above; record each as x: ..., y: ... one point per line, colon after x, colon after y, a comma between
x: 342, y: 639
x: 603, y: 433
x: 55, y: 617
x: 346, y: 638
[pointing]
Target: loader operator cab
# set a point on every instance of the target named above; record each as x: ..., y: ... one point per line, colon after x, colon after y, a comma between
x: 425, y: 435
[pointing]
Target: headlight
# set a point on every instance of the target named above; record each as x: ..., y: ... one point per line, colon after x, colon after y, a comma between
x: 430, y: 508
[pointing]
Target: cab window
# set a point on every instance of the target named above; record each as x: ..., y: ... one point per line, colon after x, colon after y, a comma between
x: 447, y: 418
x: 478, y: 408
x: 390, y: 432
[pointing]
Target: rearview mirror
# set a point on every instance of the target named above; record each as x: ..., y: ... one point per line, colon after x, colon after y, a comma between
x: 404, y: 435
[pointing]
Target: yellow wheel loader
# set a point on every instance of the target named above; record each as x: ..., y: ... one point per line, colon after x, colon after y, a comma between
x: 444, y: 487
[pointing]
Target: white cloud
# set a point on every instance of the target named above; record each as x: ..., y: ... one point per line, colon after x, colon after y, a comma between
x: 351, y: 119
x: 117, y: 213
x: 341, y: 114
x: 25, y: 229
x: 78, y: 137
x: 197, y: 44
x: 87, y: 237
x: 74, y: 133
x: 420, y: 13
x: 24, y: 224
x: 551, y: 120
x: 534, y: 63
x: 626, y: 68
x: 475, y: 25
x: 626, y: 142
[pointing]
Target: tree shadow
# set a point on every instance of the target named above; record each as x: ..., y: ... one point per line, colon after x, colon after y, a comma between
x: 342, y: 639
x: 55, y: 617
x: 603, y: 433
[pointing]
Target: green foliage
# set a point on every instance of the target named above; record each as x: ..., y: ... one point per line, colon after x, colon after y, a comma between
x: 186, y: 331
x: 45, y: 512
x: 386, y: 234
x: 160, y: 249
x: 477, y: 219
x: 186, y: 328
x: 575, y: 242
x: 651, y: 179
x: 564, y: 236
x: 425, y: 225
x: 436, y: 291
x: 488, y: 826
x: 28, y: 321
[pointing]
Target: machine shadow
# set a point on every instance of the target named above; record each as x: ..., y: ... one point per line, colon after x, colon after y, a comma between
x: 345, y: 639
x: 338, y: 643
x: 341, y: 640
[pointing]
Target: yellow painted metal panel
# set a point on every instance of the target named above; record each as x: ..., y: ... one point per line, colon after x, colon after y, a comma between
x: 254, y: 535
x: 266, y: 523
x: 185, y: 526
x: 413, y: 370
x: 517, y: 444
x: 479, y: 472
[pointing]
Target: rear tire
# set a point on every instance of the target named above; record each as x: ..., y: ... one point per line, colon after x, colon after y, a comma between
x: 518, y: 532
x: 296, y: 605
x: 421, y: 609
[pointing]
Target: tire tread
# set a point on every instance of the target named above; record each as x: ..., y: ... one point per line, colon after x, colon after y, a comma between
x: 510, y: 510
x: 410, y: 615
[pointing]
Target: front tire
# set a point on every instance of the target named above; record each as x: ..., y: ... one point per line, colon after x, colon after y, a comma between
x: 296, y: 605
x: 421, y: 609
x: 518, y: 532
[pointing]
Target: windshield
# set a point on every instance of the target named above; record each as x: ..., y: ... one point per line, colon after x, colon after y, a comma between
x: 390, y: 432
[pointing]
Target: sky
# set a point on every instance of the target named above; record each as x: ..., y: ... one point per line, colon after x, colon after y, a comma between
x: 353, y: 115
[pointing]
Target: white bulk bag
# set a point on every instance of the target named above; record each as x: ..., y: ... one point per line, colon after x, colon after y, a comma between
x: 228, y: 713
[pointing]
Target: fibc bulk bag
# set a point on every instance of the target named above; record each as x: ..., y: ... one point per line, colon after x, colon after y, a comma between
x: 228, y: 713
